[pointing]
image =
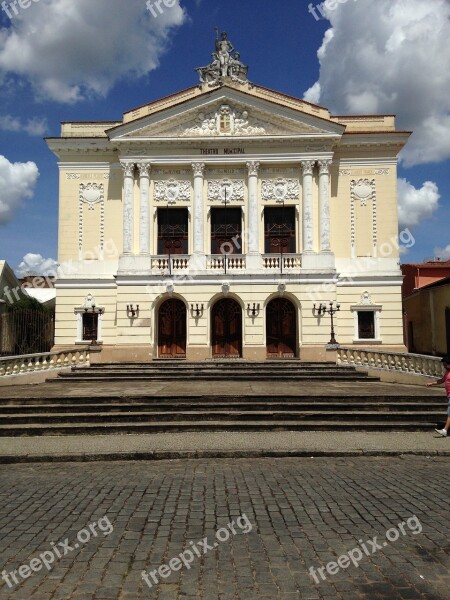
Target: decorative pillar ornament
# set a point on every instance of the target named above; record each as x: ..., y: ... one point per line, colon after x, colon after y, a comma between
x: 128, y: 207
x: 308, y: 214
x: 199, y: 233
x: 253, y: 219
x: 324, y: 205
x: 144, y: 214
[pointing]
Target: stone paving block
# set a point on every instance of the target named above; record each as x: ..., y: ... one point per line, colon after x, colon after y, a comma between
x: 303, y: 514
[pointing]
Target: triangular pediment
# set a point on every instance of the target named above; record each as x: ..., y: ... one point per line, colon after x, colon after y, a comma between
x: 226, y: 113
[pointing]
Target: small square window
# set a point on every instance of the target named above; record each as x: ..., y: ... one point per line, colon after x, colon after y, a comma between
x: 366, y: 325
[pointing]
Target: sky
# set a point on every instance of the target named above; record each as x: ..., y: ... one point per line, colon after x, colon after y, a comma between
x: 67, y: 60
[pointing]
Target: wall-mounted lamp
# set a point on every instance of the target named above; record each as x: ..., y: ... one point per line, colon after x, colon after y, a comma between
x: 132, y: 312
x: 253, y: 312
x: 197, y: 311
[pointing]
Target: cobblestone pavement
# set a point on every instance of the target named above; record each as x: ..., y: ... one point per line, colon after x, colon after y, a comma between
x: 303, y: 513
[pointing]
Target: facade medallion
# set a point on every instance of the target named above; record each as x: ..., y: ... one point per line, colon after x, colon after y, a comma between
x: 280, y: 189
x: 172, y: 191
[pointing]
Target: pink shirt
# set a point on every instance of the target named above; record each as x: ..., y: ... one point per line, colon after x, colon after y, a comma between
x: 447, y: 382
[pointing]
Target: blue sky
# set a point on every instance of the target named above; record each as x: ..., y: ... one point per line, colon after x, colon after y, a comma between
x: 96, y: 60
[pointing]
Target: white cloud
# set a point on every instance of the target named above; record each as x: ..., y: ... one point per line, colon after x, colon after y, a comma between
x: 34, y: 126
x: 391, y: 57
x: 415, y: 205
x: 71, y: 50
x: 17, y: 183
x: 443, y: 253
x: 35, y: 264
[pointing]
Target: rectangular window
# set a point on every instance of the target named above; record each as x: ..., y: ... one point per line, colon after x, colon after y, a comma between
x: 279, y: 230
x: 226, y: 231
x: 90, y: 327
x: 173, y: 228
x: 366, y: 325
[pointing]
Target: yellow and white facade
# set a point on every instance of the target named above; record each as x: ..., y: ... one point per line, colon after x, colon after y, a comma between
x: 228, y: 192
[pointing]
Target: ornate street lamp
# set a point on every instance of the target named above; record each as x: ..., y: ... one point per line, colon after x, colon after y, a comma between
x: 332, y: 310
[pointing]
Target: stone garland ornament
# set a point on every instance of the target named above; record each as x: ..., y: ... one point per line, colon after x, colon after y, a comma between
x: 364, y: 191
x: 172, y: 191
x: 91, y: 194
x: 281, y: 189
x: 234, y: 190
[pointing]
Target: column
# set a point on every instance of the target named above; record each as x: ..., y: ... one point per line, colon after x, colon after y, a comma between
x: 128, y: 208
x: 253, y: 217
x: 144, y: 213
x: 308, y: 210
x: 324, y: 205
x: 199, y: 213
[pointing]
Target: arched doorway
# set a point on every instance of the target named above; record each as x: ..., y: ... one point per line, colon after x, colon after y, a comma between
x: 172, y: 329
x: 281, y: 329
x: 226, y: 329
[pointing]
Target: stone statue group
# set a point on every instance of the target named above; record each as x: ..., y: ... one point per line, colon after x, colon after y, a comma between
x: 223, y: 64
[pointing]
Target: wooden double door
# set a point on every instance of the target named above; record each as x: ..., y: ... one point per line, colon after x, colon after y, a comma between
x: 281, y: 329
x: 172, y: 329
x: 226, y: 329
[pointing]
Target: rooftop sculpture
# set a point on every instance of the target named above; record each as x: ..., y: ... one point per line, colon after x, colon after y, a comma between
x: 224, y: 64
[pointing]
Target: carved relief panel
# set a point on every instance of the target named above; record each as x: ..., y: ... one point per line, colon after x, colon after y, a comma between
x: 91, y: 195
x: 280, y: 189
x: 172, y: 191
x: 364, y: 225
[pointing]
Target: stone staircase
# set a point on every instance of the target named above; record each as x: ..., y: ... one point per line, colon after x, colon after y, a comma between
x: 108, y: 398
x: 220, y: 370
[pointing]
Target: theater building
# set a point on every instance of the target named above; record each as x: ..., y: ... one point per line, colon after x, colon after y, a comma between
x: 212, y: 223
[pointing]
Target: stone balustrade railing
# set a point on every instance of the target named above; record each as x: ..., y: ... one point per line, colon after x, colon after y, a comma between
x: 217, y: 262
x: 290, y: 261
x: 35, y: 363
x: 177, y: 263
x: 414, y: 364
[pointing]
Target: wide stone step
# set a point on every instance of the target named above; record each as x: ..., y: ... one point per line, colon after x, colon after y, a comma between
x: 113, y: 417
x: 214, y: 377
x: 325, y: 405
x: 201, y: 370
x: 185, y: 426
x: 332, y: 401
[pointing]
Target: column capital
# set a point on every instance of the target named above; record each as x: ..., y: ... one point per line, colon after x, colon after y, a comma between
x: 253, y: 168
x: 324, y: 166
x: 308, y: 166
x: 144, y: 168
x: 128, y: 168
x: 199, y: 169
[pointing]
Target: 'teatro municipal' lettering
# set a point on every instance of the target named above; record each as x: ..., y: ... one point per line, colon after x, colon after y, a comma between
x: 215, y: 151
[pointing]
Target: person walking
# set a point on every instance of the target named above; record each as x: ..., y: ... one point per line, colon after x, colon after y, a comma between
x: 446, y: 380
